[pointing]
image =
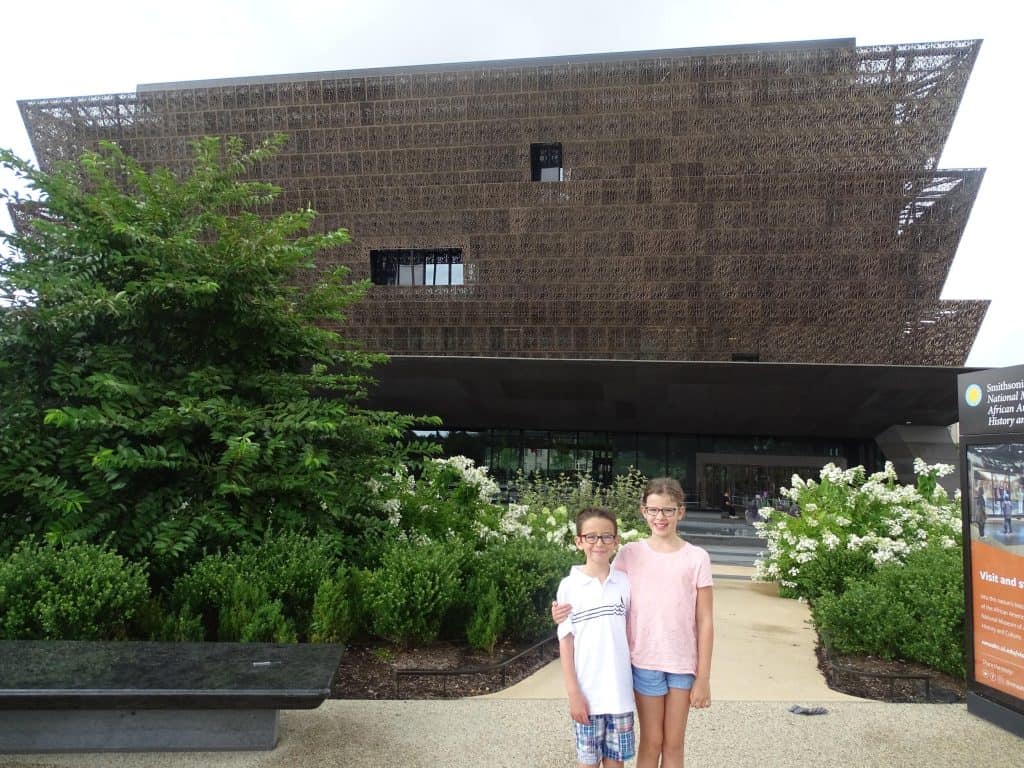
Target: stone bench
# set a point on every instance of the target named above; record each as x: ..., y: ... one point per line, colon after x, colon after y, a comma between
x: 63, y: 696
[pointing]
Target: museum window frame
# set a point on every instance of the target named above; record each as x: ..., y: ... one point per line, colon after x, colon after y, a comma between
x: 546, y: 162
x: 408, y: 267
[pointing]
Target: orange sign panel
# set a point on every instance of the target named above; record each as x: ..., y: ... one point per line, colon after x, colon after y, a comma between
x: 998, y: 590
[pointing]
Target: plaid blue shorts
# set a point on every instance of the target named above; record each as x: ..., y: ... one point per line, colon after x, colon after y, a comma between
x: 608, y: 736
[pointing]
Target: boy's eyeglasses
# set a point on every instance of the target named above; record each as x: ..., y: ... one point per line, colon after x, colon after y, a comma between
x: 665, y: 512
x: 593, y: 538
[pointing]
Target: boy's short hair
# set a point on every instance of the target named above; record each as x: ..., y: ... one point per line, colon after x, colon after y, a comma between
x: 598, y: 512
x: 665, y: 486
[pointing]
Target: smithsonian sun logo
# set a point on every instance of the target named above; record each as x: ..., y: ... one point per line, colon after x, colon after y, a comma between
x: 972, y: 395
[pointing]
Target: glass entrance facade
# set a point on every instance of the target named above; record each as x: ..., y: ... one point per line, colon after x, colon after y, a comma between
x: 705, y: 465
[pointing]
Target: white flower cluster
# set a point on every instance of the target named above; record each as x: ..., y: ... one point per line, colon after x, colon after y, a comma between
x: 921, y: 467
x: 852, y: 511
x: 881, y: 548
x: 513, y: 523
x: 887, y: 475
x: 474, y: 475
x: 838, y: 476
x: 393, y: 507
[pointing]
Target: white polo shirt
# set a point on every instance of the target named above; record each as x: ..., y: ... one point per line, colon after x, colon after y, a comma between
x: 598, y: 626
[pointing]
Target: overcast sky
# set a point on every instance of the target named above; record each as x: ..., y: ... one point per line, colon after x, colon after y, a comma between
x: 77, y: 47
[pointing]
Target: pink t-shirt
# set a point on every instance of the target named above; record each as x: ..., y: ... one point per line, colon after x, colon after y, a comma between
x: 661, y: 624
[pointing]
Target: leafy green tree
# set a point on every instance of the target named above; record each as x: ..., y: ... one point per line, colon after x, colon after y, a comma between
x: 171, y: 374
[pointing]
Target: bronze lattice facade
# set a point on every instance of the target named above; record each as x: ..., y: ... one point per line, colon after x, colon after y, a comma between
x: 777, y: 203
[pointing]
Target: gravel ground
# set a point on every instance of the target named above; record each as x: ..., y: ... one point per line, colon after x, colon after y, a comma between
x: 497, y: 732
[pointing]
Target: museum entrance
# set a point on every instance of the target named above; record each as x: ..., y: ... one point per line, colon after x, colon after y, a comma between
x: 745, y: 476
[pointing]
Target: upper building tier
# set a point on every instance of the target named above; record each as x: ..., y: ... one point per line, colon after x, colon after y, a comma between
x: 777, y: 202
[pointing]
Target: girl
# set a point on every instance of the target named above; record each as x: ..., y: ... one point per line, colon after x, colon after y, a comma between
x: 669, y: 626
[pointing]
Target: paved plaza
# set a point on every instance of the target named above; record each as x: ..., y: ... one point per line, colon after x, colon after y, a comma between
x: 764, y: 663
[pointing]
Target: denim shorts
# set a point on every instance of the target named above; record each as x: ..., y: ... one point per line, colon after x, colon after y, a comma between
x: 652, y: 682
x: 610, y: 736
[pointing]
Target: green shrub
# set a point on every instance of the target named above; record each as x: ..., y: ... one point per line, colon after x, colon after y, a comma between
x: 526, y: 574
x: 268, y: 624
x: 408, y: 596
x: 487, y: 621
x: 182, y: 628
x: 243, y: 599
x: 335, y: 609
x: 203, y: 590
x: 290, y: 568
x: 913, y: 611
x: 75, y: 592
x: 227, y: 590
x: 830, y: 572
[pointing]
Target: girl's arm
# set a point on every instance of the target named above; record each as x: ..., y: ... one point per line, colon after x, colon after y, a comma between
x: 700, y: 695
x: 560, y: 611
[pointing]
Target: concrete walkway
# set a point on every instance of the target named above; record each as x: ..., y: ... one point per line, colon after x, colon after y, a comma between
x: 764, y: 648
x: 763, y: 663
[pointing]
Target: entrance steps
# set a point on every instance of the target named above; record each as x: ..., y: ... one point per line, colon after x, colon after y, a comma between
x: 728, y: 541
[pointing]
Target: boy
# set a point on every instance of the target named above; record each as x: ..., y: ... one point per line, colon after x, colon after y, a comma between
x: 593, y: 646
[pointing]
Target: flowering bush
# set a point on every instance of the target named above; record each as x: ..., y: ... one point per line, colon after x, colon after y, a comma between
x: 547, y: 507
x: 466, y: 566
x: 451, y: 499
x: 850, y: 523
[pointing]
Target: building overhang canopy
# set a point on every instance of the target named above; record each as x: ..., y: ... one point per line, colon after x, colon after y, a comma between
x: 848, y: 401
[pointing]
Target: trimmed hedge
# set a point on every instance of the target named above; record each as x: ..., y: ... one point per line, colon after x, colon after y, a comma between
x: 75, y: 592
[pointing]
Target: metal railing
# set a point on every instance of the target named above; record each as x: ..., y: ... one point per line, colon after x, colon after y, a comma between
x: 445, y: 674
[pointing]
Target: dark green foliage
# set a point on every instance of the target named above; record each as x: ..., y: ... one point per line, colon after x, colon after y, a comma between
x: 229, y: 591
x: 526, y: 574
x: 830, y: 572
x: 408, y: 595
x: 182, y: 628
x: 291, y: 568
x: 914, y: 611
x: 77, y: 592
x: 335, y: 609
x: 488, y: 619
x: 268, y: 624
x: 203, y: 590
x: 170, y: 374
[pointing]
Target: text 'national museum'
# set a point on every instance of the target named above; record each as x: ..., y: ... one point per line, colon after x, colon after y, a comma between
x: 721, y: 264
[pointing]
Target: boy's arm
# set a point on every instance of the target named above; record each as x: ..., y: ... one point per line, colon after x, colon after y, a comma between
x: 700, y: 695
x: 577, y: 701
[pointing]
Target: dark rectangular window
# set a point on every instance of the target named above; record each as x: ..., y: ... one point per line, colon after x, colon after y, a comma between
x: 546, y: 162
x: 745, y: 357
x: 409, y: 266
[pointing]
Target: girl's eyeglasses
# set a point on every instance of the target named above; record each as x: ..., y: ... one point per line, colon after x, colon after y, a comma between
x: 665, y: 512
